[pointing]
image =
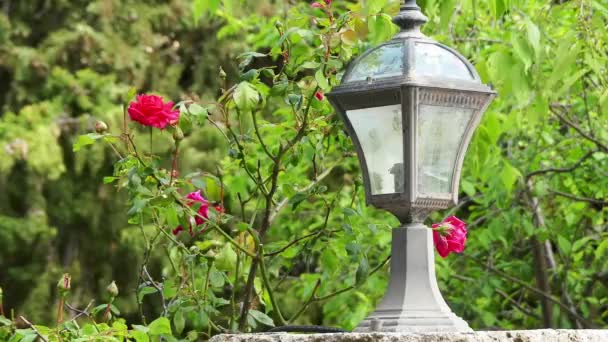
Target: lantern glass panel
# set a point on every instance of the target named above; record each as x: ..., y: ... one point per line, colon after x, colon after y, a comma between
x: 380, y: 134
x: 440, y: 133
x: 386, y: 61
x: 435, y: 61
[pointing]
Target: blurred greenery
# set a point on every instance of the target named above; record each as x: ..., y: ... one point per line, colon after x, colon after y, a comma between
x: 534, y: 187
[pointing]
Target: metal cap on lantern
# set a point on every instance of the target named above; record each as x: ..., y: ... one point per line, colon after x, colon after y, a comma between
x: 411, y: 105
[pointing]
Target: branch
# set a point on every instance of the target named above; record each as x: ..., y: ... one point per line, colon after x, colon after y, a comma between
x: 577, y: 128
x: 257, y: 133
x: 522, y: 283
x: 29, y: 324
x: 294, y: 242
x: 580, y: 199
x: 312, y: 184
x: 517, y: 305
x: 80, y: 313
x: 266, y: 281
x: 346, y: 289
x: 562, y: 170
x: 158, y: 288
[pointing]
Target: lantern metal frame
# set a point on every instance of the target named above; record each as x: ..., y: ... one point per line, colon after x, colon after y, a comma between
x: 413, y: 302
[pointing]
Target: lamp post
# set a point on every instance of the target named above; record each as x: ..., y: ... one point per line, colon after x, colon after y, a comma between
x: 411, y: 105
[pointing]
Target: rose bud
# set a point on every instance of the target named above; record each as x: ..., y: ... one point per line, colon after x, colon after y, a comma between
x: 65, y: 283
x: 178, y: 135
x: 101, y: 127
x: 112, y: 289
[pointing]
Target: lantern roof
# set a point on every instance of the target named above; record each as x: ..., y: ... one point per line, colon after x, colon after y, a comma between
x: 410, y: 58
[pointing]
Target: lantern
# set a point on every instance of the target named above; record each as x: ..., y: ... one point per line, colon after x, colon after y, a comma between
x: 411, y: 106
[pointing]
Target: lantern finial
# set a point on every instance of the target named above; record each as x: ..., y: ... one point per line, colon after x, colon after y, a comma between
x: 410, y: 18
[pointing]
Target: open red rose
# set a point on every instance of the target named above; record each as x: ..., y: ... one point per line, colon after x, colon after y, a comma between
x: 152, y: 111
x: 203, y: 210
x: 449, y: 236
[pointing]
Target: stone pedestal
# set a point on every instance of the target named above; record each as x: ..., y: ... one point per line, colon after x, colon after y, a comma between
x: 478, y: 336
x: 413, y: 302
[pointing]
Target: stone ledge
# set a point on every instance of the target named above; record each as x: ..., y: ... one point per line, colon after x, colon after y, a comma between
x: 478, y: 336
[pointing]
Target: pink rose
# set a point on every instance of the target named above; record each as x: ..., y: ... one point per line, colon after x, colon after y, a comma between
x: 319, y: 4
x: 203, y: 211
x: 449, y: 236
x: 152, y: 111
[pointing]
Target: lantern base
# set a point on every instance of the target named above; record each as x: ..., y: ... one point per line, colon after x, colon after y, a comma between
x: 413, y: 302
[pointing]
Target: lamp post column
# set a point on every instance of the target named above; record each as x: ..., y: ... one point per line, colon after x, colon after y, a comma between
x: 413, y: 302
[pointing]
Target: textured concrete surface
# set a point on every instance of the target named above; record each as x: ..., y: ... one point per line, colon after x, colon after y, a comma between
x: 479, y: 336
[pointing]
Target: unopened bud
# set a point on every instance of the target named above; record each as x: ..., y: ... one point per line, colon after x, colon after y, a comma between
x: 1, y: 293
x: 210, y: 255
x: 112, y: 289
x: 222, y: 73
x: 194, y: 250
x: 178, y: 134
x: 101, y: 127
x: 64, y: 283
x: 278, y: 24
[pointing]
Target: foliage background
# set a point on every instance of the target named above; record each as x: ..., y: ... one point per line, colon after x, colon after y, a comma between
x: 534, y: 187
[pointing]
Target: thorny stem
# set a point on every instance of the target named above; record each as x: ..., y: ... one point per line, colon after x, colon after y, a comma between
x: 60, y: 310
x: 33, y: 327
x: 264, y: 274
x: 313, y: 298
x: 174, y: 163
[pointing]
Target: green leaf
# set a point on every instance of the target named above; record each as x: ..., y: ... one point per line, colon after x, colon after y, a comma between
x: 447, y: 11
x: 522, y: 50
x: 179, y: 321
x: 362, y: 271
x: 140, y: 336
x: 468, y: 187
x: 170, y: 288
x: 533, y: 36
x: 216, y: 279
x: 349, y: 212
x: 509, y: 175
x: 160, y: 326
x: 196, y: 110
x: 141, y: 293
x: 261, y: 317
x: 374, y: 6
x: 246, y: 96
x: 321, y: 80
x: 564, y: 244
x: 86, y: 140
x: 171, y: 215
x: 5, y: 321
x: 109, y: 180
x: 297, y: 199
x: 29, y: 338
x: 226, y: 258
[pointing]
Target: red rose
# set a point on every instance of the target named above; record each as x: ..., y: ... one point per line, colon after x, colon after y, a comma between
x: 203, y: 211
x: 449, y: 236
x: 318, y: 4
x: 152, y: 111
x: 319, y: 95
